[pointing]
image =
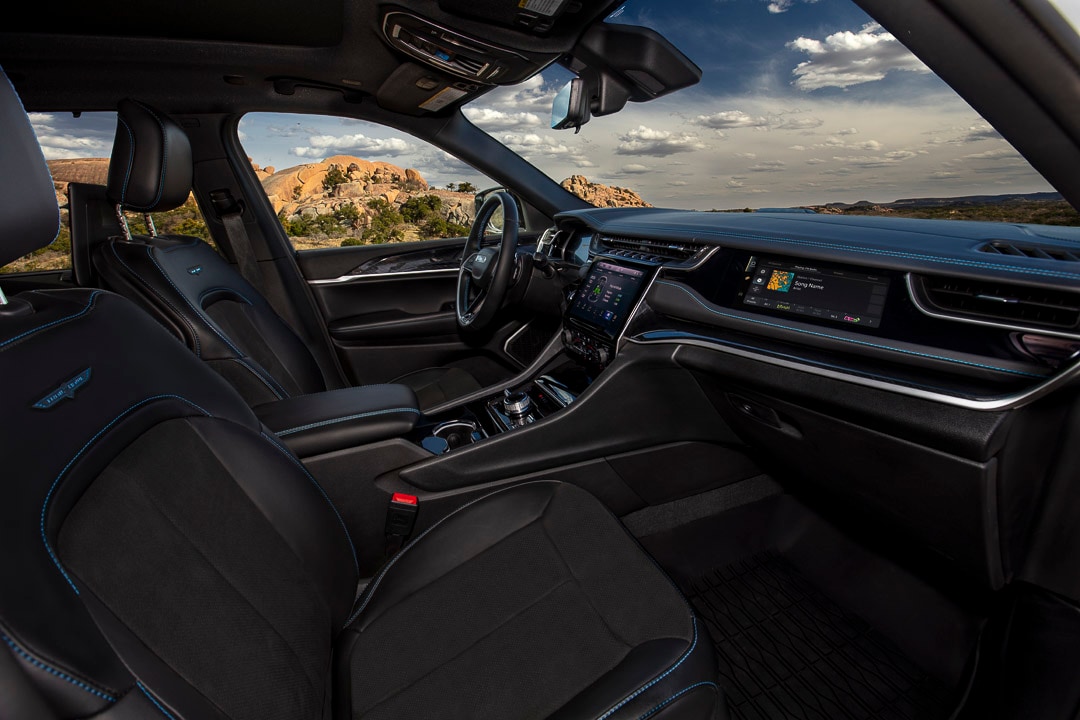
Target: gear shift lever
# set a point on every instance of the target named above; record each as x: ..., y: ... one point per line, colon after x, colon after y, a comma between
x: 516, y: 405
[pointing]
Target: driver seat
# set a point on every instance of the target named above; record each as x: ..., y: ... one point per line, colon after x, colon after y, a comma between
x: 195, y: 293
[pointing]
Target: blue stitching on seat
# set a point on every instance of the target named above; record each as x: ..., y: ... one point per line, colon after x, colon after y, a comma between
x: 333, y: 421
x: 154, y: 700
x: 643, y: 688
x: 85, y: 310
x: 330, y: 502
x: 847, y: 340
x: 676, y: 696
x: 194, y: 332
x: 847, y: 248
x: 91, y: 441
x: 265, y: 380
x: 53, y: 671
x: 209, y: 321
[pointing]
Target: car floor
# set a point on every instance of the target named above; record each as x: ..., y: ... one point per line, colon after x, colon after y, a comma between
x: 806, y: 622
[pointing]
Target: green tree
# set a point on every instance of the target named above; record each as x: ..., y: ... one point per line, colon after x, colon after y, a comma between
x: 334, y: 176
x: 418, y: 209
x: 466, y: 187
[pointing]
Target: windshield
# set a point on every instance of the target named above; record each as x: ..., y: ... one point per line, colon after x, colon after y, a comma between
x: 801, y: 103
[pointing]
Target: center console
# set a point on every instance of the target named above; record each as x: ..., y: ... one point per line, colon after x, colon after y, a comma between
x: 596, y: 316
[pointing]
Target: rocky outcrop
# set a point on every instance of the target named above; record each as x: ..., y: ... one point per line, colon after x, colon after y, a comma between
x: 602, y: 195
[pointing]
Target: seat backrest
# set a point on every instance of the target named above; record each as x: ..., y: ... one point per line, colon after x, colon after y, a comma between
x: 163, y: 555
x: 183, y: 282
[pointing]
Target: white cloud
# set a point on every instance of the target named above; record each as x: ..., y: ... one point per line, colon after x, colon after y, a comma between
x: 768, y: 166
x: 850, y: 58
x: 847, y: 131
x: 729, y: 119
x: 319, y: 146
x: 492, y: 119
x: 59, y: 143
x: 634, y: 169
x: 781, y: 6
x: 644, y: 140
x: 815, y: 161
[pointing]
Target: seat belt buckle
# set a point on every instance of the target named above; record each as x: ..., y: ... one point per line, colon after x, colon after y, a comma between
x: 400, y: 519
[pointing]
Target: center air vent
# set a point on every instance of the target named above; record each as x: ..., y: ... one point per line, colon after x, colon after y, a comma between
x: 988, y: 301
x: 649, y: 250
x: 1042, y: 252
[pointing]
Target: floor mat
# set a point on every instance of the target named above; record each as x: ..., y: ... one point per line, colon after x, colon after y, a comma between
x: 785, y: 650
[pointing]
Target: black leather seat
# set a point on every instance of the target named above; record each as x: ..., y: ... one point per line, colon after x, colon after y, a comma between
x: 166, y: 557
x: 200, y: 297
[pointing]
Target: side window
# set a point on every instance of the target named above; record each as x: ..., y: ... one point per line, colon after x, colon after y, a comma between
x: 77, y: 148
x: 335, y: 182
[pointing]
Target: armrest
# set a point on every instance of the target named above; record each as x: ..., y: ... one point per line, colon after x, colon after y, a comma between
x: 336, y: 419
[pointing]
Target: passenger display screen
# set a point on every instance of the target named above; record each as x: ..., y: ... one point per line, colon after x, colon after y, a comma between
x: 607, y: 296
x: 852, y: 298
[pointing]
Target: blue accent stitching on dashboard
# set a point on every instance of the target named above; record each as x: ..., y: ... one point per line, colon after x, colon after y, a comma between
x: 324, y: 423
x: 209, y: 321
x: 828, y: 336
x: 291, y: 457
x: 76, y: 456
x: 658, y: 678
x: 53, y: 671
x: 154, y: 700
x: 194, y: 332
x: 847, y: 248
x: 89, y: 306
x: 676, y: 696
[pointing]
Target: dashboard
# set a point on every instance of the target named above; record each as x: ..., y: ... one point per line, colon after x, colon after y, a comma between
x: 981, y: 315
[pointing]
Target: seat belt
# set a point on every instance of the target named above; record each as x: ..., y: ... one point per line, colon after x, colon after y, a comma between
x: 231, y: 212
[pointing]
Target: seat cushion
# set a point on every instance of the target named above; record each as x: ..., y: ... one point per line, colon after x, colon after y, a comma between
x: 532, y: 602
x: 434, y: 386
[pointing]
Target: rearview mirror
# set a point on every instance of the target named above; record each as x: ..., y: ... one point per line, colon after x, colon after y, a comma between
x: 570, y: 108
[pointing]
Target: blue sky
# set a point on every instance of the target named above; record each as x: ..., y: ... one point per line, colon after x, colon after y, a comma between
x: 801, y: 102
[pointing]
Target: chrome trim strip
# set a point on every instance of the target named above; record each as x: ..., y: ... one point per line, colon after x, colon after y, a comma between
x: 909, y: 280
x: 641, y: 301
x: 1004, y: 402
x: 367, y: 277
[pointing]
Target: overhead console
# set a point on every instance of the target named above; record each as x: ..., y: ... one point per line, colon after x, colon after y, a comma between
x: 456, y: 53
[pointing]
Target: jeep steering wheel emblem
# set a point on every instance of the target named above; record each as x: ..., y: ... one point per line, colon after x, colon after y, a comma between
x: 66, y: 391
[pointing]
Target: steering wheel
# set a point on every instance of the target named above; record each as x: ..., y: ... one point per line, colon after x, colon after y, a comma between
x: 486, y: 271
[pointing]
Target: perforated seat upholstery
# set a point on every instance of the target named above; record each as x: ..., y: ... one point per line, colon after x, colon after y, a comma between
x: 165, y: 557
x: 198, y: 295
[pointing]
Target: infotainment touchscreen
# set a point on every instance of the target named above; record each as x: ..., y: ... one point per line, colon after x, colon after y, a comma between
x: 607, y: 296
x: 792, y: 286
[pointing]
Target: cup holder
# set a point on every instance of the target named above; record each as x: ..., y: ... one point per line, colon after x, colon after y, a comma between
x: 452, y: 434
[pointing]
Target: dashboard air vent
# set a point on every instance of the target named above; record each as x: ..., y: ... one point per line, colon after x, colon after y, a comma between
x: 1009, y: 304
x: 1045, y: 252
x: 649, y: 250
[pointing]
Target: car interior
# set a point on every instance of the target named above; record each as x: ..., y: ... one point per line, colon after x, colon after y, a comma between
x: 580, y: 462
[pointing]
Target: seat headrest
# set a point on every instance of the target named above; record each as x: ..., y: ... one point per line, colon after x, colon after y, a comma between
x: 29, y: 215
x: 150, y: 168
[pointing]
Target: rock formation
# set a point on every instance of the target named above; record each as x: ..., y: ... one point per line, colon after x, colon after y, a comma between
x: 602, y: 195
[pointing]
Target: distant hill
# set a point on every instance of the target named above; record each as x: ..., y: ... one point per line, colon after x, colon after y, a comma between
x: 962, y: 200
x: 1044, y: 208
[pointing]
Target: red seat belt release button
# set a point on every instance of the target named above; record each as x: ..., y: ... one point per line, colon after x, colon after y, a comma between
x: 401, y: 515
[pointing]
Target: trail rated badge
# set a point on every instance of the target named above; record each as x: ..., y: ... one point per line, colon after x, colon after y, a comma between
x: 66, y: 391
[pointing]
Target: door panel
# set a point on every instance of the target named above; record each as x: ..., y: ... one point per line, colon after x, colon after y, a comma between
x: 389, y: 310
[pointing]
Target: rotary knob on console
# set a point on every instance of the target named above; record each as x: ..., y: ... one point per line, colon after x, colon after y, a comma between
x: 516, y: 404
